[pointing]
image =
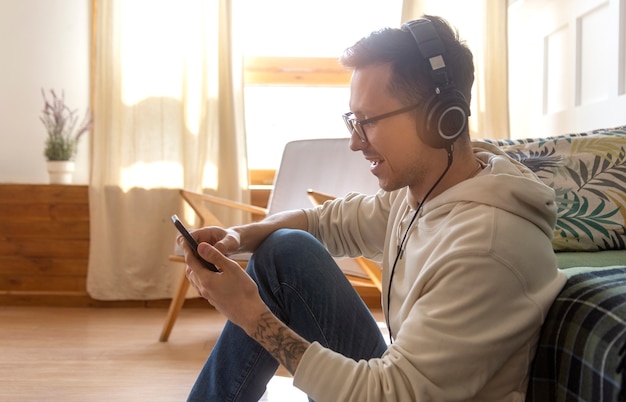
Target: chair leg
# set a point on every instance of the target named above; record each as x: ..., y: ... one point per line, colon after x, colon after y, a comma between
x: 175, y: 305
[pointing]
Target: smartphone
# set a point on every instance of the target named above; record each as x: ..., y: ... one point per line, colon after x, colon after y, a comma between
x: 193, y: 244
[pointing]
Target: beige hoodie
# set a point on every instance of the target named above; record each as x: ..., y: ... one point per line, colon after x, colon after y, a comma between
x: 468, y: 297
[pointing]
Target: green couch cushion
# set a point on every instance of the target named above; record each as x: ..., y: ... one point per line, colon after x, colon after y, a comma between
x: 569, y: 259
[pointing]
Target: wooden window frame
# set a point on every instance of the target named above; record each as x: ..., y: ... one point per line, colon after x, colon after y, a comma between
x: 300, y: 71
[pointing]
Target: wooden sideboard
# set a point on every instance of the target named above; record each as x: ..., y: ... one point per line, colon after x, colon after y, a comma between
x: 44, y: 243
x: 44, y: 248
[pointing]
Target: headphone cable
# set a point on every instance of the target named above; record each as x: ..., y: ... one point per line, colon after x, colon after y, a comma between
x: 401, y: 246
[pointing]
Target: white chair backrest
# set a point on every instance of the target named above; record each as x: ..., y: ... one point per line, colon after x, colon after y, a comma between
x: 324, y: 165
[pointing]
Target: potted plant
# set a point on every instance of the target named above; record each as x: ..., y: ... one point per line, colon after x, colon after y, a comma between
x: 64, y: 132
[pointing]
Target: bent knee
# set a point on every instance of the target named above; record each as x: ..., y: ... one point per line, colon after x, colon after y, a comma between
x: 287, y: 246
x: 289, y: 239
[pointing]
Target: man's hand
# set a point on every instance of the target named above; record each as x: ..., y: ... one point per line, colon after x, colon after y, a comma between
x: 233, y: 293
x: 226, y: 241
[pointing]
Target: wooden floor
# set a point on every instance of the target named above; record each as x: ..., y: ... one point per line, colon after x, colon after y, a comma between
x: 105, y: 354
x: 108, y: 354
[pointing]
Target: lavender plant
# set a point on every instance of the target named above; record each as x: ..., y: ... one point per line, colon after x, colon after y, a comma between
x: 63, y: 129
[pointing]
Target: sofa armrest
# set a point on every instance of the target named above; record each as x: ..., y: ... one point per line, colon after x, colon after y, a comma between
x: 582, y: 340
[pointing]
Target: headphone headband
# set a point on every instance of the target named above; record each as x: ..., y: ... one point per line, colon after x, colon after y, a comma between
x: 431, y: 48
x: 446, y: 111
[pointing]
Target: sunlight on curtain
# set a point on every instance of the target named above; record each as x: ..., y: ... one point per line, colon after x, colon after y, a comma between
x: 153, y: 58
x: 157, y: 174
x: 168, y: 106
x: 483, y: 25
x: 166, y: 48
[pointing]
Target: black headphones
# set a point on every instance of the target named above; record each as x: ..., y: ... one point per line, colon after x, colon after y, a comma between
x: 446, y: 111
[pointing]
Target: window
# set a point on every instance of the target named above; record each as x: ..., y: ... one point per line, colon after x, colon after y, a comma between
x: 294, y: 86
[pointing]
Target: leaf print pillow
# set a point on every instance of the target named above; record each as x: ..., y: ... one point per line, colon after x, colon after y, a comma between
x: 588, y: 174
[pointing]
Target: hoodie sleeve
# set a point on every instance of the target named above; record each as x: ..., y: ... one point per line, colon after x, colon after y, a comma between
x: 353, y: 225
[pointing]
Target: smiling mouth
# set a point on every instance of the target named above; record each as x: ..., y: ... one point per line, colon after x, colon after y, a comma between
x: 374, y: 162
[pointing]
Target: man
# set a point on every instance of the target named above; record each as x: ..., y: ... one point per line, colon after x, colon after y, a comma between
x: 463, y: 233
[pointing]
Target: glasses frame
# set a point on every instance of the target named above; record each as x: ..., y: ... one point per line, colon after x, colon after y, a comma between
x: 355, y: 126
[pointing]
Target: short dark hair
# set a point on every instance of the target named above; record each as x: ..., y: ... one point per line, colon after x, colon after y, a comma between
x: 411, y: 81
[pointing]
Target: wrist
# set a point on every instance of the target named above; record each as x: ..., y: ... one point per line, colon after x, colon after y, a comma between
x: 256, y: 320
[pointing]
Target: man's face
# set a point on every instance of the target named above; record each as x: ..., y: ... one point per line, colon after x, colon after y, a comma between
x: 397, y: 156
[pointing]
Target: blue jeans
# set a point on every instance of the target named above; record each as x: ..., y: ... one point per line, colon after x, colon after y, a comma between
x: 302, y: 285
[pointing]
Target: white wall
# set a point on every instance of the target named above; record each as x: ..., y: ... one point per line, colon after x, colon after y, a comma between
x: 43, y: 44
x: 567, y: 66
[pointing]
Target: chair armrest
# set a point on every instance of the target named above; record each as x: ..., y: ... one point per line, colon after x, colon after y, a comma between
x: 318, y: 198
x: 192, y: 198
x: 198, y: 202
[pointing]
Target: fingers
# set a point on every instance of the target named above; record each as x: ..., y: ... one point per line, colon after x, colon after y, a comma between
x: 199, y: 277
x: 192, y: 279
x: 213, y: 255
x: 207, y: 283
x: 224, y: 240
x: 209, y: 253
x: 229, y: 243
x: 222, y: 246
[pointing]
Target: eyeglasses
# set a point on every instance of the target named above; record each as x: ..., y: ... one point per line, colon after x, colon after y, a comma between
x: 355, y: 126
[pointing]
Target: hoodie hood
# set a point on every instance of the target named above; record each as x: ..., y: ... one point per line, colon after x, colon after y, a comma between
x: 518, y: 190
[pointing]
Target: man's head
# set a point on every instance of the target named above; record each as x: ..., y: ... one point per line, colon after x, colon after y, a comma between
x: 430, y: 68
x: 391, y: 85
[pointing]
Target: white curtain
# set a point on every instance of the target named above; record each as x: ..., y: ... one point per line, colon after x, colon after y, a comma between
x: 483, y: 25
x: 168, y: 106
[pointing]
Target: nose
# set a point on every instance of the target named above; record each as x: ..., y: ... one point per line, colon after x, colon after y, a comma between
x: 356, y: 144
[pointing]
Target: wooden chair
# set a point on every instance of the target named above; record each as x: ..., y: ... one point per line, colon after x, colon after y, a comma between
x: 327, y: 165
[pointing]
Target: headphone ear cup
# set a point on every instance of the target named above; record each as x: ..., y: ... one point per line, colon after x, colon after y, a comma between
x: 445, y: 118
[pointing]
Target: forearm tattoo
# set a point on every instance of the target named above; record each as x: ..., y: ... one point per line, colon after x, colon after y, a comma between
x: 280, y: 341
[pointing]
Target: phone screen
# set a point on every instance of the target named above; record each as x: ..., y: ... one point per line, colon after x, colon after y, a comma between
x: 193, y: 244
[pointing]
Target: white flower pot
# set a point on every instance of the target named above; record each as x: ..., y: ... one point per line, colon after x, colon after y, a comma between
x: 61, y: 172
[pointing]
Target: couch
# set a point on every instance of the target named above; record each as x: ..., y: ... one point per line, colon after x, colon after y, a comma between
x: 581, y: 351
